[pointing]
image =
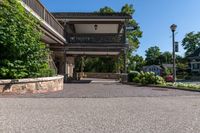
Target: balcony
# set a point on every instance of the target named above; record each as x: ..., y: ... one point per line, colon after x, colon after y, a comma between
x: 96, y: 38
x: 41, y: 11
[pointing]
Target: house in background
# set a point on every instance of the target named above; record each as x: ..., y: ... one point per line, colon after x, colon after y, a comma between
x: 153, y: 68
x: 194, y: 61
x: 167, y: 66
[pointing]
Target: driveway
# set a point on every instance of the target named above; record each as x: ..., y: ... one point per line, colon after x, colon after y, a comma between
x: 100, y: 107
x: 105, y: 115
x: 105, y: 89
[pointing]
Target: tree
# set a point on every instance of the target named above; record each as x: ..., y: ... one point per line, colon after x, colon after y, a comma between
x: 138, y: 63
x: 181, y: 62
x: 136, y: 34
x: 21, y: 52
x: 152, y: 55
x: 166, y: 57
x: 100, y: 64
x: 106, y: 10
x: 128, y: 9
x: 191, y: 42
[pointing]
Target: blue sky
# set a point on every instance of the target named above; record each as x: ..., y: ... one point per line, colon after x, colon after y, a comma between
x: 154, y: 17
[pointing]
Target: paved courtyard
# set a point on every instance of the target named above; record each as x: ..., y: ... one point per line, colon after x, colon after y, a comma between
x: 100, y: 107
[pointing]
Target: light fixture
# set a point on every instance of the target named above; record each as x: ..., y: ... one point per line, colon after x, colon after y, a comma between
x: 173, y: 27
x: 95, y: 26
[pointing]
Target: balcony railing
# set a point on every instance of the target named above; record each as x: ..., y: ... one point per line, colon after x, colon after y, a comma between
x: 38, y: 8
x: 95, y: 38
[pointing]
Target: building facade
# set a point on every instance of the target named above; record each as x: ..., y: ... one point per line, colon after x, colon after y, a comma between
x: 153, y: 68
x: 71, y: 35
x: 194, y: 61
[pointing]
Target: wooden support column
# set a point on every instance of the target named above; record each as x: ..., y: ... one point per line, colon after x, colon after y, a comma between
x: 125, y: 61
x: 125, y: 50
x: 65, y: 65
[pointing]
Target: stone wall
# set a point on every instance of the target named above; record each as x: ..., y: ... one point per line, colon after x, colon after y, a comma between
x: 100, y: 75
x: 32, y: 85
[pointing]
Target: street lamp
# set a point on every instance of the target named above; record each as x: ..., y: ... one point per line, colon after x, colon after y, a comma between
x: 173, y: 29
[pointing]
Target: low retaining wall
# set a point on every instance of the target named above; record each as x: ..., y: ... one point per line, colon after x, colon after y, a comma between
x: 100, y: 75
x: 32, y: 85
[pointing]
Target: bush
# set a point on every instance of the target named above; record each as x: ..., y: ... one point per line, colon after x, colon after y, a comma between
x: 187, y: 86
x: 132, y: 75
x: 22, y: 53
x: 148, y: 78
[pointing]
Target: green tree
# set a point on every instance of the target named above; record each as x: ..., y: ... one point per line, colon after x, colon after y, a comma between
x: 181, y: 62
x: 106, y: 10
x: 21, y: 52
x: 136, y: 34
x: 191, y: 42
x: 138, y: 61
x: 166, y: 58
x: 128, y: 9
x: 152, y: 55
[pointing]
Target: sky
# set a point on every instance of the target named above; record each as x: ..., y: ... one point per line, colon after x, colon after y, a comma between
x: 153, y: 16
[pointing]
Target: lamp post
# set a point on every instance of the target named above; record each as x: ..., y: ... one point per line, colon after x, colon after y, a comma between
x: 173, y: 29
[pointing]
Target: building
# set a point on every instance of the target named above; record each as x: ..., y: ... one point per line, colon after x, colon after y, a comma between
x: 194, y: 61
x: 167, y: 66
x: 153, y: 68
x: 71, y: 35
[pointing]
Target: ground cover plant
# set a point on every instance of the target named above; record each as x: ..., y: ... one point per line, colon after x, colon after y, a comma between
x: 184, y: 86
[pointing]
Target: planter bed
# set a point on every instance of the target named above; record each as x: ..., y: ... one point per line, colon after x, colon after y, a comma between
x: 163, y: 86
x: 31, y: 85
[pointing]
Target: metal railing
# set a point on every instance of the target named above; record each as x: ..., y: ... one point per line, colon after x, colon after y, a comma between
x: 95, y: 38
x: 38, y: 8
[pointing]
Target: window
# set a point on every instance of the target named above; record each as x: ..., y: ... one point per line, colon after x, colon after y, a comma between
x: 196, y: 66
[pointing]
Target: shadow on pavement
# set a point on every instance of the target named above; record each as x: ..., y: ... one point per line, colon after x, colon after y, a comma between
x: 79, y: 81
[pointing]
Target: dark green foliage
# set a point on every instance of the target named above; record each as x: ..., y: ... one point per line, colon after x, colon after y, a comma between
x: 21, y: 52
x: 100, y: 64
x: 167, y: 72
x: 106, y: 10
x: 152, y: 55
x: 165, y: 58
x: 191, y: 42
x: 138, y: 62
x: 132, y: 75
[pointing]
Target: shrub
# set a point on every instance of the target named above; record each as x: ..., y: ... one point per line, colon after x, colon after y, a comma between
x: 21, y: 52
x: 148, y: 78
x: 131, y: 75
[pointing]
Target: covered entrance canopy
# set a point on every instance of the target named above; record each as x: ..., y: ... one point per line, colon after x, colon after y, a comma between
x: 91, y: 34
x: 94, y: 33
